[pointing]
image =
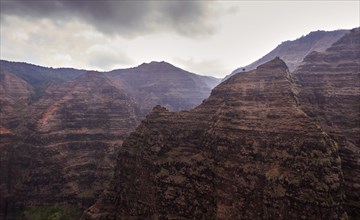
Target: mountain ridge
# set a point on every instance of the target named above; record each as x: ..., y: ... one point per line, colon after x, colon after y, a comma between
x: 293, y: 51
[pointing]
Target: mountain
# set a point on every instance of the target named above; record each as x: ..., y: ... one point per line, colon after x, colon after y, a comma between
x: 330, y: 95
x: 248, y: 151
x: 266, y: 144
x: 160, y: 83
x: 60, y: 130
x: 64, y: 153
x: 293, y: 52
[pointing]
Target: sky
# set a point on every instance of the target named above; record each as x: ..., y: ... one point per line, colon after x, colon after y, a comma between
x: 204, y: 37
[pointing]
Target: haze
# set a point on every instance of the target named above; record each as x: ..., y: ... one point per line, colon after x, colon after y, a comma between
x: 205, y: 37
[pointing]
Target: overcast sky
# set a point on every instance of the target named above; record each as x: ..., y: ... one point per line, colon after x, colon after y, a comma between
x: 204, y: 37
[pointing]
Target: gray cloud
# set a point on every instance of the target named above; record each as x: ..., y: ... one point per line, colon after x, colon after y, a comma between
x: 75, y: 44
x: 123, y: 18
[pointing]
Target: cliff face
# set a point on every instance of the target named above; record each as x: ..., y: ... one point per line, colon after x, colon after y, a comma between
x: 14, y: 99
x: 247, y: 152
x: 64, y: 153
x: 92, y: 102
x: 330, y: 95
x: 293, y: 52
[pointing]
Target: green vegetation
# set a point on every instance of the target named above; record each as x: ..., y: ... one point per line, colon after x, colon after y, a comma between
x: 56, y: 212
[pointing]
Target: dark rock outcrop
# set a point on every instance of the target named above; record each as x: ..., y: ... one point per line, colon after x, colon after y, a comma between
x: 247, y: 152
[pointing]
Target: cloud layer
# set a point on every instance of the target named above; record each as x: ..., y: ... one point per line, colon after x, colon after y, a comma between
x: 73, y: 44
x: 123, y: 18
x: 206, y: 37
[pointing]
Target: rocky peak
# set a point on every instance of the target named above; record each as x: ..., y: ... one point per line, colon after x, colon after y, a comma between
x: 157, y: 66
x: 273, y: 64
x: 160, y: 83
x: 159, y: 108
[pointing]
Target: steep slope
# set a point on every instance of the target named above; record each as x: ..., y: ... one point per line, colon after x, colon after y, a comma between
x: 247, y: 152
x: 293, y: 52
x: 14, y: 99
x: 210, y: 80
x: 92, y: 102
x: 330, y: 95
x: 65, y: 153
x: 160, y: 83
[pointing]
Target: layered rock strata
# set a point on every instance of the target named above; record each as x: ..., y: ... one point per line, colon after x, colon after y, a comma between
x: 60, y: 128
x: 14, y: 99
x: 65, y: 152
x: 247, y: 152
x: 330, y: 95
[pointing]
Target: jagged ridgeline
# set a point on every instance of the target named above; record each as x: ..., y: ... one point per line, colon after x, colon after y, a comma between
x: 266, y: 144
x: 293, y: 52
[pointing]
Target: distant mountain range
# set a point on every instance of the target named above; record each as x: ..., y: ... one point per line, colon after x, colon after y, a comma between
x: 293, y: 52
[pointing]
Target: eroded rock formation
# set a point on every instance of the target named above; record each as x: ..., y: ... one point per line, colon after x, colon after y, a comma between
x: 267, y: 144
x: 247, y: 152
